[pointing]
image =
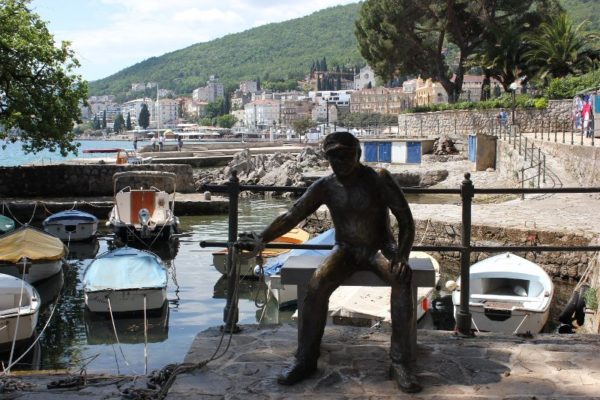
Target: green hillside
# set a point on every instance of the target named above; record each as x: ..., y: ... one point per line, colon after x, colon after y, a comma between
x: 283, y: 50
x: 279, y: 50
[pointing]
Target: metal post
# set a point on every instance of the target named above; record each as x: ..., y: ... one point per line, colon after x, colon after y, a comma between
x: 520, y: 136
x: 539, y: 173
x: 535, y: 130
x: 556, y: 133
x: 454, y: 124
x: 421, y: 128
x: 525, y: 148
x: 522, y: 183
x: 438, y: 126
x: 544, y: 171
x: 231, y: 311
x: 582, y: 137
x: 532, y: 149
x: 572, y: 142
x: 463, y: 317
x: 564, y: 130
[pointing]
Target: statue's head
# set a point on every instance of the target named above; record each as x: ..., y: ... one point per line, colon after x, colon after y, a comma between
x: 342, y: 150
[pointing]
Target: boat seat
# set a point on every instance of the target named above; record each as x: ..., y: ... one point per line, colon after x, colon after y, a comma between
x: 297, y: 270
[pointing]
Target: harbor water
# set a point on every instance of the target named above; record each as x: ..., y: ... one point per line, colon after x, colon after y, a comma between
x: 77, y: 339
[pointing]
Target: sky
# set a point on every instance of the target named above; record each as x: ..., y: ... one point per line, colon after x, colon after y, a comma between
x: 110, y: 35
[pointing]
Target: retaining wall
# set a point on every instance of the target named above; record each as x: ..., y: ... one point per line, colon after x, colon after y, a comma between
x: 454, y: 122
x: 63, y: 180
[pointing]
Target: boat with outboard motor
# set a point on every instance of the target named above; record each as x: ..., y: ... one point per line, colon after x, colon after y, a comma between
x: 145, y: 213
x: 19, y: 309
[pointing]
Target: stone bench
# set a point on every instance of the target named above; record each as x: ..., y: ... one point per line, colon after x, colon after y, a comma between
x: 298, y: 270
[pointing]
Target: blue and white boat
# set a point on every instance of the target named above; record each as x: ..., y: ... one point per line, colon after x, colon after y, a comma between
x: 6, y: 224
x: 71, y: 225
x: 125, y: 280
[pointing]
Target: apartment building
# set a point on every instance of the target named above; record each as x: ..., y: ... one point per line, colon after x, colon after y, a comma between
x: 380, y: 100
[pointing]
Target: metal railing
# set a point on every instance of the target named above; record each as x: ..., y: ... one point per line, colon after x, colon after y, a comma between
x: 466, y: 191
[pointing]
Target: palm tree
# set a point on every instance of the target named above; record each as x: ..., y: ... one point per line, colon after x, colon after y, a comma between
x: 558, y: 48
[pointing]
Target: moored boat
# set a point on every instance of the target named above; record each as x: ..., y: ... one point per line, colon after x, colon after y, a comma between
x: 19, y: 309
x: 6, y: 224
x: 125, y: 280
x: 294, y: 236
x: 31, y: 254
x: 145, y: 213
x: 71, y: 225
x: 362, y: 302
x: 508, y: 294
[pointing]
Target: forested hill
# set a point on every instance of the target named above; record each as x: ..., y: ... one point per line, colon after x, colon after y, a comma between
x: 278, y: 50
x: 275, y: 51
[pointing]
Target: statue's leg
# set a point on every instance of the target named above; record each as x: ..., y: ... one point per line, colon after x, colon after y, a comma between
x: 402, y: 351
x: 314, y: 316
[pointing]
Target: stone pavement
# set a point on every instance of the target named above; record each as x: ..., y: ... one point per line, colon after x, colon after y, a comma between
x: 354, y: 365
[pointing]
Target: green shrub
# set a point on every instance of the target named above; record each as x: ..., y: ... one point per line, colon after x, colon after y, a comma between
x: 504, y: 101
x: 568, y: 87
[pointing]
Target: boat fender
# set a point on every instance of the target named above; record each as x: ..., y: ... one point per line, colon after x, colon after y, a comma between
x: 566, y: 316
x: 451, y: 285
x: 580, y: 309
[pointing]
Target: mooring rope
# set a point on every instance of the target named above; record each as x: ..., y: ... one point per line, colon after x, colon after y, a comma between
x: 112, y: 320
x: 145, y: 339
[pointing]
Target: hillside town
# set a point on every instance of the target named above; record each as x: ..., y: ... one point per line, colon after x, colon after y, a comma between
x: 257, y: 111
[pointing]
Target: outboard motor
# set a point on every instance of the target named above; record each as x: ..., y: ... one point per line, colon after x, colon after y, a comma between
x: 144, y: 218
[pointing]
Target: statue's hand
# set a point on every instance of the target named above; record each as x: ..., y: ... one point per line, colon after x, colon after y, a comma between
x: 249, y: 241
x: 401, y: 270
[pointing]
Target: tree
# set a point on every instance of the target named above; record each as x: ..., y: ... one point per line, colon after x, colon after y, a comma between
x: 40, y: 94
x: 226, y: 121
x: 128, y: 122
x: 104, y: 119
x: 301, y: 126
x: 214, y: 108
x: 144, y: 117
x: 558, y: 48
x: 411, y: 37
x: 119, y: 123
x: 96, y: 123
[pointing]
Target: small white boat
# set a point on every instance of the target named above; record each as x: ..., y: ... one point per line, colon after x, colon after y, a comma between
x: 125, y: 280
x: 19, y: 309
x: 71, y: 225
x: 507, y: 294
x: 294, y: 236
x: 141, y: 210
x: 31, y: 254
x: 357, y: 302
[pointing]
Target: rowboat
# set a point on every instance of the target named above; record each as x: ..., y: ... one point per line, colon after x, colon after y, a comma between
x: 294, y: 236
x: 19, y: 309
x: 71, y: 225
x: 356, y: 302
x: 141, y: 210
x: 125, y: 280
x: 31, y: 254
x: 6, y: 224
x: 507, y: 294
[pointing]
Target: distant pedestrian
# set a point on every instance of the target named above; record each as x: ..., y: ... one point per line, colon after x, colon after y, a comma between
x: 502, y: 118
x: 153, y: 143
x: 179, y: 143
x: 161, y: 142
x: 135, y: 143
x: 586, y: 116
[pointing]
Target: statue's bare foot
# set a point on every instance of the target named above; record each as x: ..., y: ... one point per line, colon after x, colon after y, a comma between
x: 296, y: 372
x: 405, y: 379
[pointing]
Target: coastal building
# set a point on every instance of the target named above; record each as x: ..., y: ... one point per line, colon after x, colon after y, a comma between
x: 472, y: 87
x: 248, y: 87
x: 167, y: 111
x: 429, y: 92
x: 365, y: 78
x: 380, y: 100
x: 98, y: 104
x: 239, y: 99
x: 213, y: 91
x: 262, y: 114
x: 340, y: 98
x: 292, y: 110
x: 326, y: 112
x: 133, y: 108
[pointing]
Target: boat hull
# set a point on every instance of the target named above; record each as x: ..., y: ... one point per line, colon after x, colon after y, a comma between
x: 126, y: 300
x: 34, y: 272
x: 72, y: 230
x: 17, y: 323
x: 506, y: 321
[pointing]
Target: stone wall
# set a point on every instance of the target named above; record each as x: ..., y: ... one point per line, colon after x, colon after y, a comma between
x: 455, y: 122
x: 63, y: 180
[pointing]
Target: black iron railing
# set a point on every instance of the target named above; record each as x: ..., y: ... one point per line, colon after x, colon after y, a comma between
x: 466, y: 191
